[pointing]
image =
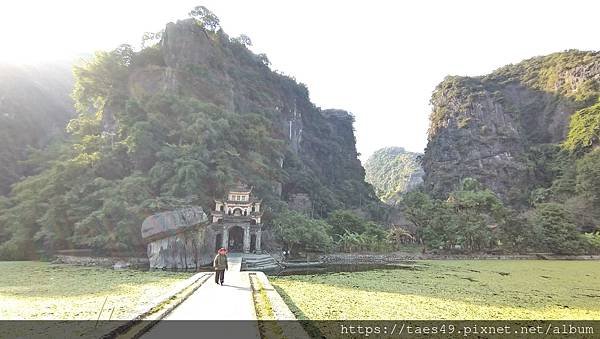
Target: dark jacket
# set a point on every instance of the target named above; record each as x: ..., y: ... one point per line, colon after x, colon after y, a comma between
x: 220, y: 262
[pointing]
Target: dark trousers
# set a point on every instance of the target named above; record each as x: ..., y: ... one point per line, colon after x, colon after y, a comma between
x: 219, y: 276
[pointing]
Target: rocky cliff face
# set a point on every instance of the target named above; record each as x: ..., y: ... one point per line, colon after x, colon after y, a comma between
x: 485, y: 127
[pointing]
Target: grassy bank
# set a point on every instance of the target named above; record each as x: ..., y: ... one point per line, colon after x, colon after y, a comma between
x: 446, y: 289
x: 39, y: 290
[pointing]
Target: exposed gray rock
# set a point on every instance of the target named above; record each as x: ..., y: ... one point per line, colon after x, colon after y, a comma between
x: 177, y: 239
x: 479, y: 139
x: 154, y: 80
x: 185, y: 251
x: 164, y: 224
x: 185, y: 43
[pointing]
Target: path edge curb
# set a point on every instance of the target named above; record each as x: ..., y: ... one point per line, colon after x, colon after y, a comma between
x: 198, y: 278
x: 284, y: 316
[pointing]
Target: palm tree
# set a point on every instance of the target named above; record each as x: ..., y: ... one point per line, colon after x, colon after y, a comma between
x: 399, y: 236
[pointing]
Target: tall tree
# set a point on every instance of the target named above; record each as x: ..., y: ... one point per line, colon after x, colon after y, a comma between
x: 205, y: 18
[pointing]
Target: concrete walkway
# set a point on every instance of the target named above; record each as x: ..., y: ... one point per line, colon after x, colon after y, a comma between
x: 232, y: 301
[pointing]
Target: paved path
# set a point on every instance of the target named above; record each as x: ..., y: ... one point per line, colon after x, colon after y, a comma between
x: 232, y: 301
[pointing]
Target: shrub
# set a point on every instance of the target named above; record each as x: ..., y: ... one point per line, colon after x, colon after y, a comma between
x: 588, y: 177
x: 556, y: 230
x: 342, y: 221
x: 298, y: 231
x: 353, y: 242
x: 584, y: 129
x: 398, y: 236
x: 592, y: 241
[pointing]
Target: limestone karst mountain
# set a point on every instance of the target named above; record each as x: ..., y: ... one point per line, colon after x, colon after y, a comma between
x: 171, y: 126
x: 507, y: 129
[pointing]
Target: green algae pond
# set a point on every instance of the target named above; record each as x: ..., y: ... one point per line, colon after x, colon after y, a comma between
x: 32, y: 290
x: 449, y: 289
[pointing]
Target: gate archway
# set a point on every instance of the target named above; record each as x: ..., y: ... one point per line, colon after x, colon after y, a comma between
x: 236, y: 239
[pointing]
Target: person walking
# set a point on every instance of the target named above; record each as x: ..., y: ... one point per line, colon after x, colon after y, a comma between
x: 220, y: 265
x: 285, y: 253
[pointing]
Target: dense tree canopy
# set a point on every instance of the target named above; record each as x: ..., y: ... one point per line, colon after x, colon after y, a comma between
x: 555, y: 229
x: 297, y: 231
x: 345, y: 221
x: 205, y: 18
x: 584, y: 129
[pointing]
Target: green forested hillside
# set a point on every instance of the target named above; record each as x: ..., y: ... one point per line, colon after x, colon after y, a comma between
x: 173, y: 125
x: 34, y: 107
x: 393, y: 171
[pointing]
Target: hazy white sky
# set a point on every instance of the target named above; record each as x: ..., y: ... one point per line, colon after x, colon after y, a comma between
x: 379, y: 60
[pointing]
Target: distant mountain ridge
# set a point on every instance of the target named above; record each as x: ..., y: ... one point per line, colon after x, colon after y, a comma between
x: 393, y: 171
x: 35, y: 105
